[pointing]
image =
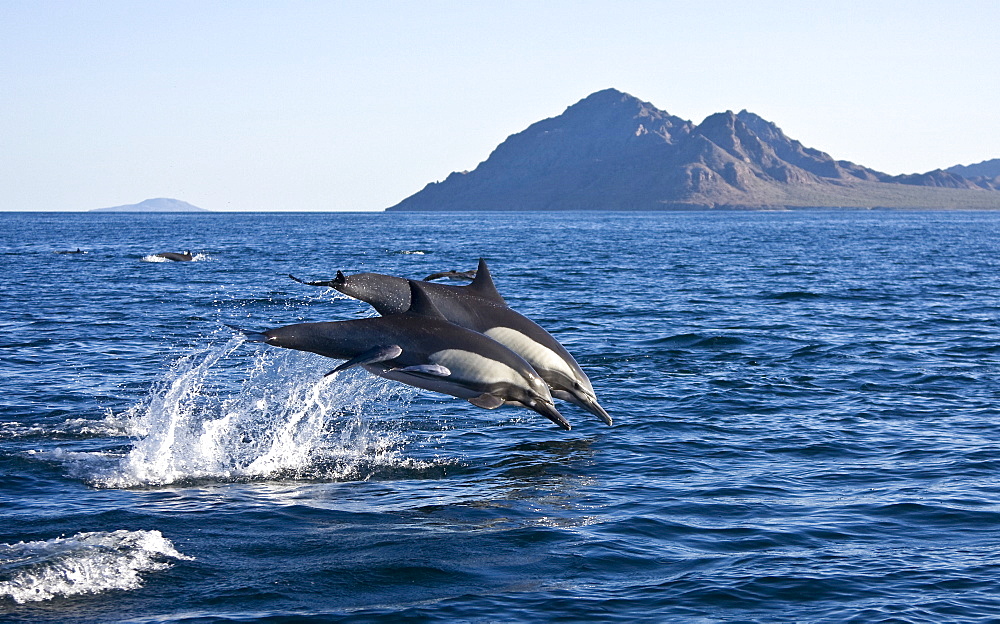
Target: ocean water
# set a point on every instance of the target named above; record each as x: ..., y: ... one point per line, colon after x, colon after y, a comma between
x: 806, y: 423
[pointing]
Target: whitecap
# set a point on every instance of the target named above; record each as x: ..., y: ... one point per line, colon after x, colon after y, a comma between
x: 86, y: 563
x: 198, y: 257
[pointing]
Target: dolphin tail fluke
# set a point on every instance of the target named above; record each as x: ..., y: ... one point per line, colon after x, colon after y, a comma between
x: 251, y: 336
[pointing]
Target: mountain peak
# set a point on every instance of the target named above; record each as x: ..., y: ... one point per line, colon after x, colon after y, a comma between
x: 985, y: 169
x: 611, y: 151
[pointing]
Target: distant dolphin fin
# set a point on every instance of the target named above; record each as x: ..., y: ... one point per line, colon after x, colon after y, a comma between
x: 427, y: 369
x: 486, y: 401
x: 483, y: 285
x: 371, y: 356
x: 251, y: 336
x: 420, y: 303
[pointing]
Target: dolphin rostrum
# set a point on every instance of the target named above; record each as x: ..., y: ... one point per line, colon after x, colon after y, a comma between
x: 481, y: 308
x: 421, y: 348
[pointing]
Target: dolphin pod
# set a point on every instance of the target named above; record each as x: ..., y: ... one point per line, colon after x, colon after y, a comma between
x: 421, y: 348
x: 480, y: 307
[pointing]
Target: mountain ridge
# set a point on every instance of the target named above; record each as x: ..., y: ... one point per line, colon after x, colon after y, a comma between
x: 612, y: 151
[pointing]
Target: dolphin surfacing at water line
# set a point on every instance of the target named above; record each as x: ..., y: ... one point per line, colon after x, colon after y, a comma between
x: 173, y: 256
x: 481, y: 308
x: 423, y: 349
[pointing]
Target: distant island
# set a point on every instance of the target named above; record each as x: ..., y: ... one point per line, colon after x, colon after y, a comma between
x: 612, y: 151
x: 160, y: 204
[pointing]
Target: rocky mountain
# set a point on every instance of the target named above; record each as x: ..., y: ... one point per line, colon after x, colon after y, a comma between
x: 161, y: 204
x: 985, y: 174
x: 612, y: 151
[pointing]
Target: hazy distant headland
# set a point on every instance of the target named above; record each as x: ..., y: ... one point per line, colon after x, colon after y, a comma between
x: 612, y: 151
x: 160, y: 204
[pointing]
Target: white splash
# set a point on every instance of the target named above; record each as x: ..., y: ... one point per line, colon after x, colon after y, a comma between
x: 198, y: 257
x: 86, y: 563
x: 286, y: 421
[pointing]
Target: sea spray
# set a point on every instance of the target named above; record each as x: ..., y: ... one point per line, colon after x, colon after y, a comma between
x: 85, y: 563
x: 286, y: 420
x: 198, y: 257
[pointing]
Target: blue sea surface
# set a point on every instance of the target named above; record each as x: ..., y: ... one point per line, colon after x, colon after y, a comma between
x: 805, y: 403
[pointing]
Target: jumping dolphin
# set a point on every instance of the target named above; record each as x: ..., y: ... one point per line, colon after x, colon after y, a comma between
x: 421, y: 348
x: 480, y: 307
x: 176, y: 257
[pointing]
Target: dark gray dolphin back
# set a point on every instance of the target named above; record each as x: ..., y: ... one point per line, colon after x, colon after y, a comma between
x: 389, y: 294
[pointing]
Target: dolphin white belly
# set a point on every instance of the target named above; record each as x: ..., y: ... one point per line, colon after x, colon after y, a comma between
x: 538, y: 355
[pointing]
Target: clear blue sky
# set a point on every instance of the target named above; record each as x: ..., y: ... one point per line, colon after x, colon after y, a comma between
x: 288, y: 105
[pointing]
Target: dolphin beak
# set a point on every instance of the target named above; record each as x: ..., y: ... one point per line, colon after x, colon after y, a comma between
x: 585, y: 400
x: 549, y: 411
x: 590, y: 404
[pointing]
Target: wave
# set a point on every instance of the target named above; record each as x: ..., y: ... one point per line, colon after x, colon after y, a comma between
x: 286, y: 421
x: 86, y: 563
x: 692, y: 341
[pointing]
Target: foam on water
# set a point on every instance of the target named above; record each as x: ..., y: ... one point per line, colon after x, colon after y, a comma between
x: 198, y: 257
x: 286, y: 420
x: 86, y: 563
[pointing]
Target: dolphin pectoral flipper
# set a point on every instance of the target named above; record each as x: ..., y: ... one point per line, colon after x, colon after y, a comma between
x: 486, y: 401
x: 435, y: 370
x: 371, y: 356
x: 249, y: 335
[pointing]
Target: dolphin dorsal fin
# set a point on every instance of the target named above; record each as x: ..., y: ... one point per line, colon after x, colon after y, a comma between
x: 483, y: 285
x: 420, y: 303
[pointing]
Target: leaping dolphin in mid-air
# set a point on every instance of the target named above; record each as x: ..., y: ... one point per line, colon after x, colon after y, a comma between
x: 421, y: 348
x: 481, y: 308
